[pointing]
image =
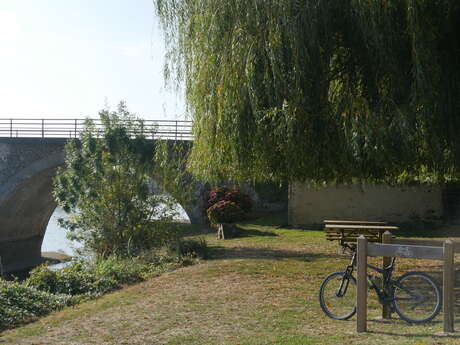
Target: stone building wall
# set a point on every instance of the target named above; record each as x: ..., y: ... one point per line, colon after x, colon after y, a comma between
x: 309, y: 205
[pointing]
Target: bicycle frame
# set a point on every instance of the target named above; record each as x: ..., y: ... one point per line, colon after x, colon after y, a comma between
x: 385, y: 295
x: 402, y: 296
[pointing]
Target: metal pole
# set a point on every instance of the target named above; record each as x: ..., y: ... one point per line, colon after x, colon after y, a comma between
x: 43, y: 128
x: 11, y: 128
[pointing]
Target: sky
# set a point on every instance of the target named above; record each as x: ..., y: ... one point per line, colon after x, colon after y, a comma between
x: 69, y: 58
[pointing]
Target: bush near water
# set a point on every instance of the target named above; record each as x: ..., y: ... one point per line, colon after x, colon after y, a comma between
x: 47, y: 290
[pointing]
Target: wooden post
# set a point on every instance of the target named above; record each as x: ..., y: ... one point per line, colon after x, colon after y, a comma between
x: 220, y: 231
x: 361, y: 295
x: 448, y: 286
x: 386, y: 239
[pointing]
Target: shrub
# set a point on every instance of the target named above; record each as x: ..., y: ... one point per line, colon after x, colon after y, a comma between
x: 105, y: 275
x: 241, y: 199
x: 223, y: 200
x: 20, y: 303
x: 120, y: 271
x: 225, y: 212
x: 70, y: 280
x: 216, y: 195
x: 104, y: 186
x: 96, y: 279
x: 46, y: 290
x: 191, y: 248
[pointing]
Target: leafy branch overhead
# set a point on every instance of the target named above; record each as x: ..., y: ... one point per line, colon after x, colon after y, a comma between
x: 320, y: 90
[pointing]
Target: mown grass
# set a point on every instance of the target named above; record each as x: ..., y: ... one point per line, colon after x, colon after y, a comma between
x: 259, y: 288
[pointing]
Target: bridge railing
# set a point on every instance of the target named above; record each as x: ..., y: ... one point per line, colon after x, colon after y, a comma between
x: 71, y: 128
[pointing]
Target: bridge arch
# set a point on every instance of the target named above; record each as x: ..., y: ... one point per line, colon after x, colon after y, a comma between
x: 27, y: 168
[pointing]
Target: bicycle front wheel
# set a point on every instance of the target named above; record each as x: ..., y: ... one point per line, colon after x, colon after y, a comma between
x: 417, y: 297
x: 337, y: 296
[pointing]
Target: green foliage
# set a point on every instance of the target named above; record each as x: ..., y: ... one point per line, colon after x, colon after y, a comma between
x: 105, y: 275
x: 319, y: 90
x: 272, y: 192
x: 46, y: 290
x: 225, y: 212
x: 190, y: 248
x: 19, y: 303
x: 105, y: 186
x: 71, y: 280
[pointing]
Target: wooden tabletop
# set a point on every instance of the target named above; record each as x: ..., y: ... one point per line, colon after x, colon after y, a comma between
x: 356, y: 222
x: 352, y: 227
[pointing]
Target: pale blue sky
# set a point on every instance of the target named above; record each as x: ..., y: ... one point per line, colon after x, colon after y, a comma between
x: 64, y: 58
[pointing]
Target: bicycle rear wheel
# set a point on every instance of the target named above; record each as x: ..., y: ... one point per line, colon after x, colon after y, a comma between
x: 417, y: 297
x: 337, y: 296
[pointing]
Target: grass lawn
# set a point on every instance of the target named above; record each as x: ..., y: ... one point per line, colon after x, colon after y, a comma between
x: 257, y: 289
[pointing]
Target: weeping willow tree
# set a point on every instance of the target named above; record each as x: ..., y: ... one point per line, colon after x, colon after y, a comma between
x: 320, y: 90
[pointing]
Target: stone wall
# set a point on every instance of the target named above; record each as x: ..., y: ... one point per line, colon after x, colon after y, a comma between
x: 309, y: 205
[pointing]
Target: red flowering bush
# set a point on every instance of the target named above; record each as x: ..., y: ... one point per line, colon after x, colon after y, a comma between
x: 221, y: 200
x: 216, y: 195
x: 225, y: 212
x: 241, y: 199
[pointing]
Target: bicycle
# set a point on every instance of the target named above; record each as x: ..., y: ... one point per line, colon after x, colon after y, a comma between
x: 414, y: 296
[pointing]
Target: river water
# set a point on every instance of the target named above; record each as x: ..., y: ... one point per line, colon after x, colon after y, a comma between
x: 55, y: 239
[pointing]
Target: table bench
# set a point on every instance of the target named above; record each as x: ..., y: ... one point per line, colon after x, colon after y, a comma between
x: 350, y: 230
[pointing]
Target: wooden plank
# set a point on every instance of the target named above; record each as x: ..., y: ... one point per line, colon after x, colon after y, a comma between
x: 386, y: 261
x: 356, y: 222
x: 448, y: 286
x: 432, y: 243
x: 352, y: 234
x: 354, y: 231
x: 405, y: 251
x: 352, y: 238
x: 361, y: 293
x: 361, y: 227
x: 414, y: 242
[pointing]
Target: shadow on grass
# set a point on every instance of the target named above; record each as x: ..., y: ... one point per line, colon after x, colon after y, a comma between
x: 272, y: 220
x: 195, y: 229
x: 398, y: 322
x: 417, y: 335
x: 241, y: 233
x: 428, y: 230
x: 436, y: 272
x: 220, y: 252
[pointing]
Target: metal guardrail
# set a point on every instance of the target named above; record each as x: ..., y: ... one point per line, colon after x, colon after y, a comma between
x: 71, y: 128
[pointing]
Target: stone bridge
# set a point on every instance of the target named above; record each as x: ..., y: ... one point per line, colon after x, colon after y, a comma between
x: 27, y: 168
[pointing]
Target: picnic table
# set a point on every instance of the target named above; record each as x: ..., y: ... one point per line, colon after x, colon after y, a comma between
x: 350, y: 230
x: 355, y: 222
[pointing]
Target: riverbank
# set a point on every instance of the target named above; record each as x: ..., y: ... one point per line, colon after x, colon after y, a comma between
x: 44, y: 290
x: 51, y: 259
x: 259, y: 288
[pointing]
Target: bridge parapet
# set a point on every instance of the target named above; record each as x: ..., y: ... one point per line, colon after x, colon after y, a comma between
x: 71, y: 128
